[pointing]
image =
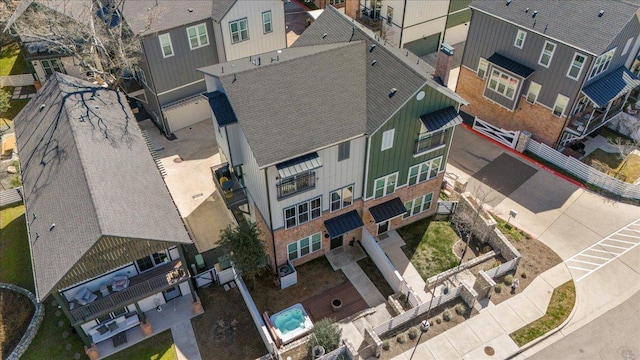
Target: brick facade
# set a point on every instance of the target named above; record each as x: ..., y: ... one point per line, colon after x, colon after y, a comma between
x: 540, y: 121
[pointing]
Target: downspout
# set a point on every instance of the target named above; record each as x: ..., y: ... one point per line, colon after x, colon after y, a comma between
x: 185, y: 267
x: 273, y: 238
x: 226, y: 134
x: 65, y: 309
x: 153, y: 88
x: 404, y: 13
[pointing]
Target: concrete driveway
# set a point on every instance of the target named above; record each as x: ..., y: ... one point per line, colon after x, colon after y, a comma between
x: 187, y: 163
x: 564, y: 216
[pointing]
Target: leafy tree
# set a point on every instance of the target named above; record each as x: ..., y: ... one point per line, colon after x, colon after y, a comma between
x: 246, y: 249
x: 5, y: 101
x: 327, y: 334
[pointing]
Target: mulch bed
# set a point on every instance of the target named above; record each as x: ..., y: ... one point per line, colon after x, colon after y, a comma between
x: 16, y: 312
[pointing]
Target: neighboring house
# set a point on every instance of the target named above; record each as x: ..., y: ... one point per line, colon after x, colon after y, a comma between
x: 419, y: 26
x: 348, y: 7
x: 558, y: 69
x: 317, y: 152
x: 186, y: 35
x: 104, y: 234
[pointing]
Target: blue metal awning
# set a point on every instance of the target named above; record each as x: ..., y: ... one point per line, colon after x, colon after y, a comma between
x: 343, y: 223
x: 611, y: 86
x: 510, y: 65
x: 221, y: 108
x: 387, y: 210
x: 441, y: 119
x: 299, y: 165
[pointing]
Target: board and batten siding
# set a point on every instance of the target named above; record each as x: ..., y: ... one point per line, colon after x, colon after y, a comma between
x: 253, y: 176
x: 258, y: 42
x: 554, y: 79
x: 332, y: 175
x: 406, y: 123
x: 179, y: 69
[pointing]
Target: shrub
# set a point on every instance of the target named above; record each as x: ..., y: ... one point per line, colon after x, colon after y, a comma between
x: 523, y: 275
x: 386, y: 345
x: 327, y: 334
x: 446, y: 315
x: 438, y: 320
x: 461, y: 309
x: 498, y: 288
x: 402, y: 338
x: 402, y: 298
x: 486, y: 249
x: 508, y: 280
x: 413, y: 333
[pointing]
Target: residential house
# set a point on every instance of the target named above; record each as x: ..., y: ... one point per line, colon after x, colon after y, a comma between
x: 558, y: 69
x: 348, y: 7
x: 104, y: 234
x: 318, y: 152
x: 180, y: 36
x: 419, y: 26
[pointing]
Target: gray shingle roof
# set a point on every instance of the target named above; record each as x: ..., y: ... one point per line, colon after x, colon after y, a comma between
x: 165, y: 14
x: 300, y: 103
x: 574, y: 22
x: 391, y: 70
x: 86, y: 168
x: 221, y: 8
x: 618, y: 82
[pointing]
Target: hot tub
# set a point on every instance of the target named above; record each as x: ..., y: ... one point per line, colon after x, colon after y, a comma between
x: 291, y: 323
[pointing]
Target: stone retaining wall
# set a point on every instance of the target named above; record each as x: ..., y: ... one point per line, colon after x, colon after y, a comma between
x: 34, y: 325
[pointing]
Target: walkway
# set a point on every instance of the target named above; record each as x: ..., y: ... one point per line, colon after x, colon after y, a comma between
x: 391, y: 244
x: 185, y: 340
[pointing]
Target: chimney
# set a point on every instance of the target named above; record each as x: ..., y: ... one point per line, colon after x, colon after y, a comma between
x: 443, y: 63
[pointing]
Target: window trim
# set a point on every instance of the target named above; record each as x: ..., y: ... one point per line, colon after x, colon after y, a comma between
x: 296, y: 216
x: 264, y: 23
x: 341, y: 197
x: 486, y: 68
x: 524, y: 37
x: 558, y: 97
x: 246, y: 22
x: 627, y: 46
x: 428, y: 171
x: 542, y: 53
x: 412, y: 204
x: 605, y: 64
x: 310, y: 245
x: 571, y: 65
x: 529, y: 92
x: 153, y: 261
x: 389, y: 139
x: 442, y: 141
x: 497, y: 85
x: 386, y: 185
x: 198, y: 36
x: 168, y: 36
x: 389, y: 15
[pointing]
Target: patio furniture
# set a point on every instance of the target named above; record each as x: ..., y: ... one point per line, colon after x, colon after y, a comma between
x: 119, y: 339
x: 199, y: 262
x: 104, y: 290
x: 85, y: 296
x: 120, y: 282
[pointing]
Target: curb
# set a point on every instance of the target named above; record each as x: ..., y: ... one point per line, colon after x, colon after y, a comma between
x: 524, y: 157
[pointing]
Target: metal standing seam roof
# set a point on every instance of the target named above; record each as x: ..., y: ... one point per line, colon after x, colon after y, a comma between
x: 508, y: 64
x: 299, y: 165
x: 610, y: 86
x: 221, y: 108
x: 574, y: 22
x: 343, y: 223
x: 441, y: 119
x: 387, y: 210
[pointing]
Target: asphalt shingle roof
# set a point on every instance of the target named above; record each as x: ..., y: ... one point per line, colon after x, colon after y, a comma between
x: 86, y: 168
x: 574, y: 22
x: 221, y: 8
x: 611, y: 86
x: 166, y: 14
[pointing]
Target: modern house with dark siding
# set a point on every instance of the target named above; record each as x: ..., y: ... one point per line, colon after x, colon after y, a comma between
x: 364, y: 152
x: 558, y: 69
x: 180, y: 36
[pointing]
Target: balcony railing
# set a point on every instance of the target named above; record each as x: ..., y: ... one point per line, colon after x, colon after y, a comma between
x: 373, y: 24
x: 295, y: 184
x: 148, y: 283
x: 584, y: 124
x: 228, y: 184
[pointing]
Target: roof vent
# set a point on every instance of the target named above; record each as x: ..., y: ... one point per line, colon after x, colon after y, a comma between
x: 42, y: 107
x: 534, y: 13
x: 526, y: 10
x: 52, y: 226
x: 392, y: 92
x: 601, y: 13
x: 190, y: 10
x: 324, y: 35
x: 96, y: 107
x: 374, y: 62
x: 508, y: 2
x: 372, y: 47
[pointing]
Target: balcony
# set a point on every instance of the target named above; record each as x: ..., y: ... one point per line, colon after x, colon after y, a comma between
x: 296, y: 184
x: 586, y: 122
x: 148, y: 283
x: 373, y: 24
x: 227, y: 183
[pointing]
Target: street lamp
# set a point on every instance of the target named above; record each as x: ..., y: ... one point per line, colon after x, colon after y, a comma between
x: 424, y: 326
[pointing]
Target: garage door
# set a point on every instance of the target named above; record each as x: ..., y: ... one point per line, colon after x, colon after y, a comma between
x: 422, y: 47
x: 188, y: 113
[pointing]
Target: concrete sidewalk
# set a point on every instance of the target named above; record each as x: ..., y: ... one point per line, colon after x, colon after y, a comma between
x: 185, y: 340
x: 392, y: 247
x: 491, y: 328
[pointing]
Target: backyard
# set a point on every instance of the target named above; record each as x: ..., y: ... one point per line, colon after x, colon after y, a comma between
x: 11, y: 60
x: 615, y: 165
x: 157, y: 347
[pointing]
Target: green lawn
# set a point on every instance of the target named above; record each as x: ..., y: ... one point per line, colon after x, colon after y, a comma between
x: 6, y: 118
x: 11, y: 60
x: 15, y: 259
x: 612, y: 164
x: 158, y: 347
x: 510, y: 231
x: 429, y: 246
x: 560, y: 306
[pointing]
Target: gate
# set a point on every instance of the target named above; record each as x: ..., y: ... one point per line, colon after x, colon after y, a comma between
x: 506, y: 137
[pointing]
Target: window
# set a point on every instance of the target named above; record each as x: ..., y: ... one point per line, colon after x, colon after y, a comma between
x: 341, y: 198
x: 389, y: 15
x: 576, y: 66
x: 520, y: 36
x: 112, y: 315
x: 165, y: 45
x: 482, y: 68
x: 266, y: 22
x: 302, y: 213
x: 149, y: 262
x: 547, y: 54
x: 503, y: 84
x: 428, y: 141
x: 387, y: 139
x: 344, y: 150
x: 385, y: 185
x: 602, y: 63
x: 239, y: 30
x: 52, y: 66
x: 627, y: 46
x: 425, y: 171
x: 561, y: 104
x: 418, y: 205
x: 534, y: 91
x: 297, y: 183
x: 198, y: 36
x: 336, y: 2
x: 304, y: 246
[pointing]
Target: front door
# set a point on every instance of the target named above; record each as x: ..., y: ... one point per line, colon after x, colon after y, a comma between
x: 336, y: 242
x: 383, y: 227
x: 171, y: 293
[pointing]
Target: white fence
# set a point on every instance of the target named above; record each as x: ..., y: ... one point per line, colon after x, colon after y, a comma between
x: 584, y: 171
x: 503, y: 136
x: 16, y: 80
x: 205, y: 278
x: 422, y: 308
x: 381, y: 260
x: 502, y: 268
x: 446, y: 207
x: 226, y: 275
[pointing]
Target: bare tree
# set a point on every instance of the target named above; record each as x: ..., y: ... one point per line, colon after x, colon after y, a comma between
x: 625, y: 147
x: 93, y: 34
